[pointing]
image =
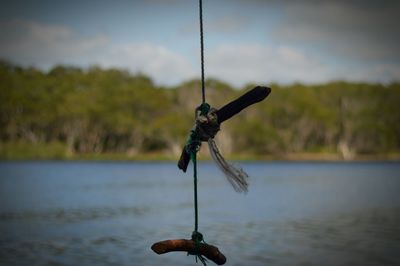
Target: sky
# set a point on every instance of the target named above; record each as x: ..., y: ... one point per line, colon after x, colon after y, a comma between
x: 246, y: 41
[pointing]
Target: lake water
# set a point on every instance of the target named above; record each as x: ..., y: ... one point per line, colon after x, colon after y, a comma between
x: 110, y: 213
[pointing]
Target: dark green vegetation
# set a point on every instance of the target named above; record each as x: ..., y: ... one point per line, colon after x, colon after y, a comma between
x: 96, y: 113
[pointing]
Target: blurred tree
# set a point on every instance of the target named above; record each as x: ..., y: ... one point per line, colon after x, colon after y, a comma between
x: 99, y: 110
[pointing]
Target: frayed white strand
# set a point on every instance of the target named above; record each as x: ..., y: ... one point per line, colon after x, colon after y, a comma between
x: 236, y: 176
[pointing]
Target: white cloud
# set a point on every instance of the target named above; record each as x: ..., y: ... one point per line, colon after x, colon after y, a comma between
x: 42, y: 45
x: 380, y: 72
x: 157, y: 61
x: 30, y: 42
x: 256, y: 63
x: 247, y: 63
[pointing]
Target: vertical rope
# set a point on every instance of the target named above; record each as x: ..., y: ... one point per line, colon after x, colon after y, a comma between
x: 203, y: 91
x: 196, y: 213
x: 197, y: 237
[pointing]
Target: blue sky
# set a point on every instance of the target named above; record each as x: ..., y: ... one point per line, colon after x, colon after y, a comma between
x: 245, y: 41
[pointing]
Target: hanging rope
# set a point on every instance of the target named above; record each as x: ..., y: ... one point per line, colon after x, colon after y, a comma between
x: 195, y: 143
x: 207, y: 125
x: 203, y: 90
x: 196, y: 213
x: 193, y: 146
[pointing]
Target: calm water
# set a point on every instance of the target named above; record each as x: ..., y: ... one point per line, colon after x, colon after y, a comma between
x: 110, y: 213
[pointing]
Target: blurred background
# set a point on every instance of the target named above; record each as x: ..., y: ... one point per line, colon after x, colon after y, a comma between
x: 97, y: 98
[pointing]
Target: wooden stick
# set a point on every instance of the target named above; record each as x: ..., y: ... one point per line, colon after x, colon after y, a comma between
x: 210, y: 252
x: 251, y: 97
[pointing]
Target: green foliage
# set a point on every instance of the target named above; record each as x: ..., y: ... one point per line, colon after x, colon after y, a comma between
x: 29, y: 150
x: 74, y: 112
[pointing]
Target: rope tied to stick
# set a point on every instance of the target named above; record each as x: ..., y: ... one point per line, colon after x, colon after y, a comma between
x: 207, y: 124
x: 198, y: 239
x: 198, y: 133
x: 206, y: 127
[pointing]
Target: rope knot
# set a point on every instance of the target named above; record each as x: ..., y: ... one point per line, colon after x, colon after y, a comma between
x: 197, y: 238
x: 206, y: 127
x: 206, y: 122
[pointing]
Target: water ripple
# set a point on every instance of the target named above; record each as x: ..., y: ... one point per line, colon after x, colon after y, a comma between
x: 73, y: 215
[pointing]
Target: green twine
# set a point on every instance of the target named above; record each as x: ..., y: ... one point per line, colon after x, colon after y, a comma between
x: 193, y: 146
x: 197, y: 237
x: 196, y: 213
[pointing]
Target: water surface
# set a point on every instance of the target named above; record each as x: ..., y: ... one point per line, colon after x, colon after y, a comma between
x: 110, y: 213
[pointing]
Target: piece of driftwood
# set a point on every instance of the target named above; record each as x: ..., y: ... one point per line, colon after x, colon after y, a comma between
x: 210, y: 252
x: 256, y: 95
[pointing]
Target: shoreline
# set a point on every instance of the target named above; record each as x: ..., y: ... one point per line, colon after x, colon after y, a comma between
x: 58, y: 151
x: 162, y: 157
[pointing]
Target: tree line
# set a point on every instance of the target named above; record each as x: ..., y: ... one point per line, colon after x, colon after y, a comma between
x: 105, y: 111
